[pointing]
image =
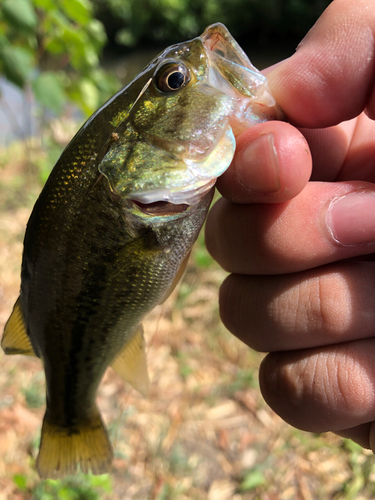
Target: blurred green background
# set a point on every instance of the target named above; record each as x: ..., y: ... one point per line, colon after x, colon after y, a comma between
x: 205, y: 431
x: 58, y: 47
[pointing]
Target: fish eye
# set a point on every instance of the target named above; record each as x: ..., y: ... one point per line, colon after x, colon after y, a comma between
x: 172, y: 76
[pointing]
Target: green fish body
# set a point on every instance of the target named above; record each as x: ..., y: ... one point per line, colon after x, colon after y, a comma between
x: 111, y: 231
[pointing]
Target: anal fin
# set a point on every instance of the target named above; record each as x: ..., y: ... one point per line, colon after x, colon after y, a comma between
x: 15, y: 339
x: 63, y: 449
x: 131, y: 362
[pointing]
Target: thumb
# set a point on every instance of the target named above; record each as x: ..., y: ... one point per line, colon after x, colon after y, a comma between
x: 330, y: 77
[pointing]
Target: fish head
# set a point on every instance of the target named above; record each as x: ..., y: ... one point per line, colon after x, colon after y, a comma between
x: 178, y: 135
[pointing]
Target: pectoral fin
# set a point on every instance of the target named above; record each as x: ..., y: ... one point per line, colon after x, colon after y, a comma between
x: 15, y: 339
x: 131, y: 363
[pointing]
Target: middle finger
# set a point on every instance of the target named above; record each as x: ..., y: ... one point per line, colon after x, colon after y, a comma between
x: 326, y: 222
x: 324, y: 306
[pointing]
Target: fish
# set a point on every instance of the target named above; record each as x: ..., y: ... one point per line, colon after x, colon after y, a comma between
x: 110, y: 234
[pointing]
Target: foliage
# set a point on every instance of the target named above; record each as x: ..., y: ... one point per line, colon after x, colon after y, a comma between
x: 363, y: 471
x: 54, y: 46
x: 252, y: 479
x: 130, y: 22
x: 77, y: 487
x: 61, y: 36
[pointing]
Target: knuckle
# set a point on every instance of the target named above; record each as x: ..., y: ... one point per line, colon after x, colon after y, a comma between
x: 322, y: 389
x: 333, y: 303
x: 316, y: 304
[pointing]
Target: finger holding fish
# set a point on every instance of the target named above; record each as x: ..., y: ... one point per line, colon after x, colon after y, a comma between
x: 272, y: 164
x: 312, y: 308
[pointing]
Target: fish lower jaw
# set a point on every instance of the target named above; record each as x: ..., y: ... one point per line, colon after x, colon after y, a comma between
x: 187, y: 196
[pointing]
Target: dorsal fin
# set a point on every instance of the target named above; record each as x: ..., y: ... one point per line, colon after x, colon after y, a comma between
x: 15, y: 339
x: 131, y: 362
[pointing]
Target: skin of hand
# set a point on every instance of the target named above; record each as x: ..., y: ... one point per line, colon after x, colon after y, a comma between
x: 296, y: 230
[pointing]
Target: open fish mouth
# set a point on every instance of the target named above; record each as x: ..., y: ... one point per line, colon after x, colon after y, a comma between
x: 161, y: 208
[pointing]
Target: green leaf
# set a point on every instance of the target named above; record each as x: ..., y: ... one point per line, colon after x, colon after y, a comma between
x: 85, y: 94
x: 90, y: 56
x: 3, y: 41
x: 17, y: 63
x: 67, y: 493
x: 105, y: 82
x: 77, y: 10
x: 102, y: 481
x: 202, y: 258
x: 49, y: 91
x: 20, y: 481
x: 71, y: 36
x: 57, y: 18
x: 253, y: 479
x: 45, y: 4
x: 352, y: 446
x: 89, y: 95
x: 20, y: 14
x: 125, y: 37
x: 96, y: 32
x: 55, y: 46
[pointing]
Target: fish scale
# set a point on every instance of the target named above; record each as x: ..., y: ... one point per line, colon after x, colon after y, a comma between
x: 120, y: 258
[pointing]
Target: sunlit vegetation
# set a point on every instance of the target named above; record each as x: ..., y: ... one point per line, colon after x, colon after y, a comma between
x: 54, y: 48
x: 259, y: 22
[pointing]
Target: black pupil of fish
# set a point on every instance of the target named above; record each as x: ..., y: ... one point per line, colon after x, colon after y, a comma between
x: 175, y: 80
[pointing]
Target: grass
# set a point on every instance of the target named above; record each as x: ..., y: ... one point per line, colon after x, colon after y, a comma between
x: 78, y: 487
x: 203, y: 433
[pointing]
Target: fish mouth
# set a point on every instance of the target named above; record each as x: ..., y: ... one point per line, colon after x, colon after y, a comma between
x: 232, y: 73
x: 160, y: 208
x: 191, y: 195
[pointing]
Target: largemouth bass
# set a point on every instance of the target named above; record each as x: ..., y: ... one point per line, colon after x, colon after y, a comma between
x: 111, y: 231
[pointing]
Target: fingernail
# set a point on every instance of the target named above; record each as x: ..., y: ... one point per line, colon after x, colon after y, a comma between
x: 351, y: 218
x: 257, y: 165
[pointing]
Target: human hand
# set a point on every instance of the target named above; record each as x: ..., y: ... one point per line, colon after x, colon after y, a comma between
x: 301, y: 253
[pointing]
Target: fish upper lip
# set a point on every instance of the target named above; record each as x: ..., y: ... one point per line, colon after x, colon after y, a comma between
x: 232, y: 73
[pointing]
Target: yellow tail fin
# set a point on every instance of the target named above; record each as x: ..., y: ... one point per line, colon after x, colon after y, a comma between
x: 63, y: 449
